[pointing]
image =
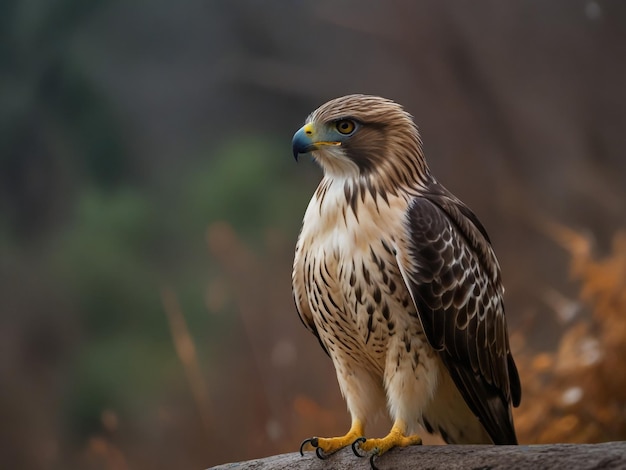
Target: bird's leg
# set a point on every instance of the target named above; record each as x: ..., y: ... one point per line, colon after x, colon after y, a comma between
x: 324, y: 446
x: 396, y: 438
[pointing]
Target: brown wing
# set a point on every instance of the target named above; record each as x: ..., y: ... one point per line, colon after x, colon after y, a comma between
x: 454, y: 279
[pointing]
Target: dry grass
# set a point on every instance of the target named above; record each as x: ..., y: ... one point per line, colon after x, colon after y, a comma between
x: 187, y: 354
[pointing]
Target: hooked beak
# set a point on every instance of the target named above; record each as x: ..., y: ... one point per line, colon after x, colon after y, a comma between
x: 302, y: 141
x: 306, y: 140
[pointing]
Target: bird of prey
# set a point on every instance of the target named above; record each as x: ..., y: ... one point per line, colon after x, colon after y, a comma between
x: 398, y: 280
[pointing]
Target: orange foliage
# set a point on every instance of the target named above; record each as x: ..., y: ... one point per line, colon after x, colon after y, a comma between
x: 578, y: 393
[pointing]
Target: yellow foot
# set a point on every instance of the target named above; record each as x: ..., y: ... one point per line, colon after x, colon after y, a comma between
x: 395, y: 438
x: 324, y: 446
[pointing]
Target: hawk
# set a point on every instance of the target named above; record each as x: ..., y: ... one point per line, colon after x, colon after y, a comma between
x: 398, y: 280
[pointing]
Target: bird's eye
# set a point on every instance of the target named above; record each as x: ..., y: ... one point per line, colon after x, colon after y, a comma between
x: 345, y: 126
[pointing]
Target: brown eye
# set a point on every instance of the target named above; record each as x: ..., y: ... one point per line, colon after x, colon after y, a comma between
x: 345, y: 126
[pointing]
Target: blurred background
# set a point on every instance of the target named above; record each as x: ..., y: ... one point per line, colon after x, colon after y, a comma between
x: 150, y: 204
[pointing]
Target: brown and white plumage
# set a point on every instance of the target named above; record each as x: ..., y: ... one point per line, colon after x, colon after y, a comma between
x: 398, y: 280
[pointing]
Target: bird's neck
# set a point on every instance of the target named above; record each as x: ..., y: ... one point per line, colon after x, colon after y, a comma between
x: 338, y: 193
x: 385, y: 180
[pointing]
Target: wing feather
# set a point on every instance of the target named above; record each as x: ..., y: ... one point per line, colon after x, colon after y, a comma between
x: 454, y: 279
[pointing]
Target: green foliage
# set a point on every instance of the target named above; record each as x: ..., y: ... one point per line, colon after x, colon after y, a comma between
x: 122, y: 246
x: 104, y: 259
x: 247, y: 183
x: 75, y: 208
x: 57, y: 130
x: 105, y: 256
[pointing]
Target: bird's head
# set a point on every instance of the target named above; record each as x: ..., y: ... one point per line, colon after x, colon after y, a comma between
x: 358, y: 135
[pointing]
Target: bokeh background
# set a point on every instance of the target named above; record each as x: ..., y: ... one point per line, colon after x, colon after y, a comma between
x: 149, y: 207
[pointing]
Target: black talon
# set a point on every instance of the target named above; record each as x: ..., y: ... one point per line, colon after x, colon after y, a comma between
x: 372, y: 464
x: 311, y: 440
x: 320, y: 453
x: 356, y: 449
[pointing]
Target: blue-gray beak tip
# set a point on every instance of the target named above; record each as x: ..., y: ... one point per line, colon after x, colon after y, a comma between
x: 301, y: 143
